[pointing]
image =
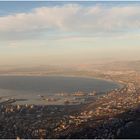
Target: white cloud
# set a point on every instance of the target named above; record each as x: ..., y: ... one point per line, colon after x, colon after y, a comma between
x: 71, y: 18
x: 12, y: 45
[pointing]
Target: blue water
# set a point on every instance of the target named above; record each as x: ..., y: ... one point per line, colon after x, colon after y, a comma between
x: 32, y: 88
x: 55, y: 84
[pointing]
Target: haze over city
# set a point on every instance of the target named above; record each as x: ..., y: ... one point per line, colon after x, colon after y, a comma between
x: 37, y: 33
x: 69, y: 69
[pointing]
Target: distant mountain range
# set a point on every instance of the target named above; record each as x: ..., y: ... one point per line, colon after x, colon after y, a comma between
x: 59, y: 69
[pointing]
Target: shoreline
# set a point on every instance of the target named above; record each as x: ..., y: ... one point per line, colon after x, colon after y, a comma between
x: 61, y: 75
x: 99, y: 94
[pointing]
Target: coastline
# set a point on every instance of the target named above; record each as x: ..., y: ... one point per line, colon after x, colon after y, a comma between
x: 66, y: 75
x: 61, y: 75
x: 39, y: 101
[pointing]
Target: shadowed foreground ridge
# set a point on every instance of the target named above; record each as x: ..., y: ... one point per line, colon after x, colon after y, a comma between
x: 125, y: 125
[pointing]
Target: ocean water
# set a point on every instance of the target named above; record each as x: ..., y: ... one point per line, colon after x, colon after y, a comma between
x: 32, y: 87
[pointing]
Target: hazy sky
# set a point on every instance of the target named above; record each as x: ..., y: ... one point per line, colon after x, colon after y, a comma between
x: 33, y: 33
